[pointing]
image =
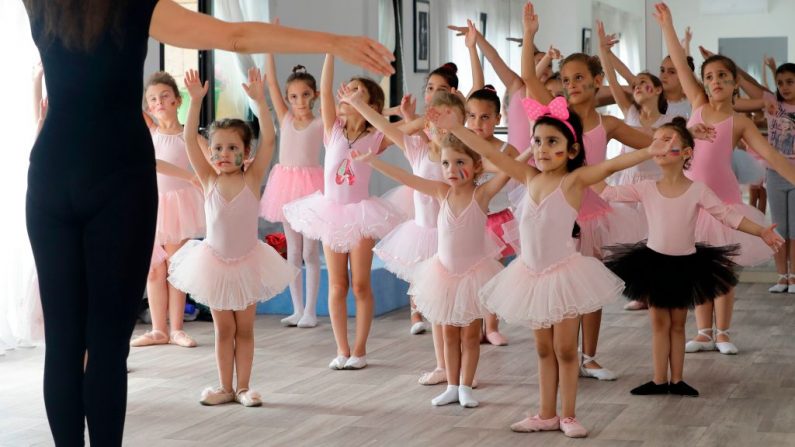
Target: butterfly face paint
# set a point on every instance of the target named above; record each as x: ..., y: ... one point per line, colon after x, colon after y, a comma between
x: 239, y: 159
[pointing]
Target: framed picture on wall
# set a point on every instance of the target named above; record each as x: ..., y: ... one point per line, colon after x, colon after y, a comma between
x: 422, y: 36
x: 586, y: 40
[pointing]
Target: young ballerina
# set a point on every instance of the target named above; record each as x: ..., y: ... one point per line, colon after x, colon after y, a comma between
x: 551, y: 284
x: 702, y: 272
x: 231, y: 270
x: 712, y: 105
x: 415, y: 240
x: 180, y: 214
x: 483, y: 115
x: 344, y: 216
x: 297, y: 175
x: 599, y: 223
x: 445, y: 287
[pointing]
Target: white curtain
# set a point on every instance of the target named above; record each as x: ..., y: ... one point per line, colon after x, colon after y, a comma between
x: 20, y: 308
x: 232, y: 68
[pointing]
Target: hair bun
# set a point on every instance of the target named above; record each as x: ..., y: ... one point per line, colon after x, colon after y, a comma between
x: 451, y: 66
x: 490, y: 88
x: 299, y: 69
x: 679, y: 121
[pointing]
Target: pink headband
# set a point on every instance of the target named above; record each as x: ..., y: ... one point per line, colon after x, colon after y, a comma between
x: 558, y: 109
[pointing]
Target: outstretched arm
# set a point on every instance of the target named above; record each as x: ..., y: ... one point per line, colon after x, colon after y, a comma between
x: 255, y: 89
x: 196, y: 91
x: 391, y: 131
x: 625, y: 133
x: 534, y: 87
x: 175, y: 25
x: 591, y: 175
x: 693, y: 90
x: 428, y: 187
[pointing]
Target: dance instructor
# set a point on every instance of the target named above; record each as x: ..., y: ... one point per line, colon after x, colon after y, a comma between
x: 92, y: 193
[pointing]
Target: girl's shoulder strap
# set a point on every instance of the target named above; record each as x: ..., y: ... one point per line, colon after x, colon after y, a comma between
x: 504, y: 146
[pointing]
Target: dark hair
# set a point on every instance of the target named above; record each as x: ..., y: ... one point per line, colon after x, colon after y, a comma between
x: 679, y: 125
x: 487, y: 93
x: 449, y: 72
x: 164, y: 78
x: 690, y: 62
x: 573, y: 141
x: 728, y: 63
x: 300, y: 74
x: 374, y: 92
x: 593, y: 62
x: 77, y: 24
x: 243, y: 130
x: 789, y: 67
x: 662, y: 103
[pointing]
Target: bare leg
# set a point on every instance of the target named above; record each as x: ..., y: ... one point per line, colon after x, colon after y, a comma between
x: 547, y: 373
x: 157, y: 292
x: 452, y: 353
x: 591, y: 324
x: 564, y: 338
x: 470, y: 352
x: 176, y: 297
x: 661, y: 343
x: 337, y: 264
x: 244, y: 345
x: 416, y: 317
x: 224, y: 323
x: 678, y: 319
x: 361, y: 264
x: 438, y: 345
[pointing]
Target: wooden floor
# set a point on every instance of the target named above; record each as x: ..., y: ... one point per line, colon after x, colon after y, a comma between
x: 746, y: 400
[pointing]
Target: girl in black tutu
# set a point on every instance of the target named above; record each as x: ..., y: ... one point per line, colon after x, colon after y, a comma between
x: 670, y: 272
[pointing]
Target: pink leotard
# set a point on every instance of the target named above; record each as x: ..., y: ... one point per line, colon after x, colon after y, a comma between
x: 712, y: 162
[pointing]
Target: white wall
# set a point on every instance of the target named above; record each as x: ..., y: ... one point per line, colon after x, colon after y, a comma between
x: 707, y: 29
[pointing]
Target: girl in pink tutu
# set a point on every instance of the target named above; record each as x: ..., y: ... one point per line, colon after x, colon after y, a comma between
x: 344, y: 216
x: 180, y: 214
x: 551, y: 285
x: 231, y: 270
x: 483, y: 115
x: 599, y: 223
x: 713, y: 105
x: 298, y: 174
x: 445, y: 286
x: 415, y: 240
x: 671, y: 272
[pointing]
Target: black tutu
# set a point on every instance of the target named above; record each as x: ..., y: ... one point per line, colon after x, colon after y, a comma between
x: 673, y: 282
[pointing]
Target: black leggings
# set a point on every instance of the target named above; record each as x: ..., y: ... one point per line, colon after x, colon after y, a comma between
x: 92, y: 240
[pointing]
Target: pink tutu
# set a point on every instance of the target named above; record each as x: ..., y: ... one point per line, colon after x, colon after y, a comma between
x: 339, y: 226
x: 402, y: 197
x: 405, y: 247
x: 602, y: 225
x: 752, y: 250
x: 229, y: 284
x: 574, y: 286
x: 495, y: 223
x: 286, y: 184
x: 451, y: 299
x: 159, y: 256
x: 180, y: 215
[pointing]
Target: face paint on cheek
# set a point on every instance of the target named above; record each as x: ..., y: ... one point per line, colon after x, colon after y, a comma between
x: 215, y: 157
x: 463, y: 173
x: 648, y: 88
x: 590, y: 87
x: 239, y: 159
x: 566, y: 93
x: 559, y: 154
x: 708, y: 90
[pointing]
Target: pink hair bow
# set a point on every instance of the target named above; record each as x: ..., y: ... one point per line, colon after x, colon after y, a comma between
x: 558, y: 109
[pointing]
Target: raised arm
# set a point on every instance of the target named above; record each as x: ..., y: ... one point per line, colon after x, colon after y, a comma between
x: 508, y: 77
x: 255, y: 89
x: 391, y: 131
x: 534, y: 87
x: 277, y: 99
x: 625, y: 133
x: 591, y: 175
x: 605, y: 44
x: 685, y: 42
x: 693, y: 90
x: 428, y: 187
x: 470, y: 40
x: 175, y: 25
x: 622, y: 69
x: 200, y: 164
x: 517, y: 170
x: 328, y: 108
